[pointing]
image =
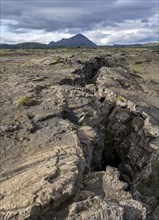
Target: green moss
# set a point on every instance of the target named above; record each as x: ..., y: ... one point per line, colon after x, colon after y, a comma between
x: 57, y: 59
x: 37, y: 79
x: 120, y: 98
x: 23, y: 100
x: 72, y: 106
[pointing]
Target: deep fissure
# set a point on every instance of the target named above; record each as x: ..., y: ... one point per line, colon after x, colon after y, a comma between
x: 110, y: 155
x: 123, y: 130
x: 116, y: 141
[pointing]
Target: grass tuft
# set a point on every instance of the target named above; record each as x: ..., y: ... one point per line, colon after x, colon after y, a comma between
x: 120, y: 98
x: 23, y: 100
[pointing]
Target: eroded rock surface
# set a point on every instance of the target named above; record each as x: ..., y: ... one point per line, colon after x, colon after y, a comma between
x: 79, y: 135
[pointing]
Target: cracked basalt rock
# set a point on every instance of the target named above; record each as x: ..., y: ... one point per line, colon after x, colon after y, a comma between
x: 88, y: 148
x: 105, y: 198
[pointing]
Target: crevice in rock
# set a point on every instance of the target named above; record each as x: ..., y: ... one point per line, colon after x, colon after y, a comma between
x: 101, y: 99
x: 70, y: 115
x: 124, y: 144
x: 59, y: 212
x: 87, y: 74
x: 113, y: 162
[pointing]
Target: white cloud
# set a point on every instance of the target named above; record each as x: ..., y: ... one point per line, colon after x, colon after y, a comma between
x: 32, y: 36
x: 128, y: 31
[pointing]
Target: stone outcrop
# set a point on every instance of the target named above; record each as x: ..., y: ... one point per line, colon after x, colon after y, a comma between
x: 79, y: 138
x: 104, y: 197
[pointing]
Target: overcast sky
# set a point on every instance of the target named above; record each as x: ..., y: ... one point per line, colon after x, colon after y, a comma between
x: 103, y: 22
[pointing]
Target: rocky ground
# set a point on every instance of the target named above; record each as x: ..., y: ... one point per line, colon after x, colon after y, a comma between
x: 79, y: 134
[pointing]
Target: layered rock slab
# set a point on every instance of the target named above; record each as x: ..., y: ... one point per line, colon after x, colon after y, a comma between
x: 47, y: 176
x: 104, y: 197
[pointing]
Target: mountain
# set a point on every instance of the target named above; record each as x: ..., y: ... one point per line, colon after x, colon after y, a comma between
x: 78, y: 40
x: 26, y: 45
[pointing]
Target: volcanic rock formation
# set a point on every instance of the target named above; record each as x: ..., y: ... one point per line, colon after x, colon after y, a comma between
x: 79, y: 136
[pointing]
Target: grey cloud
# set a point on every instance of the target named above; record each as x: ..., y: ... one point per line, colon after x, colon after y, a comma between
x: 83, y: 15
x: 145, y: 20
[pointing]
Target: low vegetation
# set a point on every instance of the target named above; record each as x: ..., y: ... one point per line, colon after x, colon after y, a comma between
x: 120, y: 98
x: 23, y: 100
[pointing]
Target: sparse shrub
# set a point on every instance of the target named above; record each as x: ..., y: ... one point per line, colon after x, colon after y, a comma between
x: 72, y: 106
x: 37, y: 79
x: 57, y: 59
x: 23, y: 100
x: 120, y: 98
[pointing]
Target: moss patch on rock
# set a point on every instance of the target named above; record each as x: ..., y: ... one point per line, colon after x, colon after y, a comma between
x: 23, y: 100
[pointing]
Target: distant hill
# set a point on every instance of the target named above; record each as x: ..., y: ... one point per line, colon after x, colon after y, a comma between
x: 151, y: 45
x: 126, y: 45
x: 148, y: 45
x: 26, y: 45
x: 78, y: 40
x: 31, y: 45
